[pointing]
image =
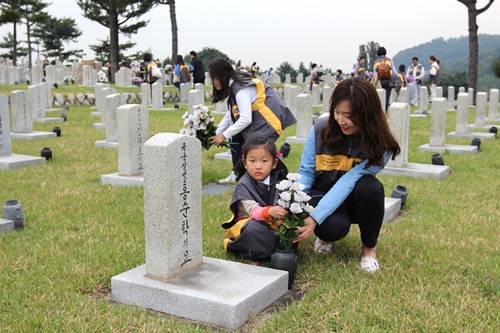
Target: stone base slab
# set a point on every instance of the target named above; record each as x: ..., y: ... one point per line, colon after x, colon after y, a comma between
x: 50, y: 120
x: 418, y: 115
x: 6, y: 226
x: 15, y: 161
x: 392, y: 209
x: 483, y: 127
x: 35, y: 135
x: 54, y: 110
x: 162, y: 109
x: 496, y: 120
x: 106, y: 144
x: 117, y: 180
x: 418, y: 170
x: 223, y: 156
x: 95, y: 113
x: 469, y: 135
x: 295, y: 140
x: 453, y: 149
x: 220, y: 292
x: 98, y: 126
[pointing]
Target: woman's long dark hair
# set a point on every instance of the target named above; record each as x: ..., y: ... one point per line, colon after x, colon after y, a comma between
x: 179, y: 61
x: 367, y: 114
x: 222, y: 70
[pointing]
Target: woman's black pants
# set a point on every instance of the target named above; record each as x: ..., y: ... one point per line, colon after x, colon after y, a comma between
x: 364, y: 206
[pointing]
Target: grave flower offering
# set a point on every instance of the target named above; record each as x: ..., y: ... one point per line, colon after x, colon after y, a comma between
x: 199, y: 123
x: 293, y: 198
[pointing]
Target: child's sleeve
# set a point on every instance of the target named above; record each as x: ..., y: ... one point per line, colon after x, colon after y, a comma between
x: 253, y: 210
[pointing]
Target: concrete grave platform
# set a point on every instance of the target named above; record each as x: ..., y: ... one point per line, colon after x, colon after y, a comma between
x: 116, y: 179
x: 418, y: 170
x: 6, y: 226
x: 495, y: 120
x: 419, y: 115
x: 469, y: 135
x: 99, y: 126
x: 453, y: 149
x: 50, y: 120
x: 295, y: 140
x: 35, y: 135
x: 484, y: 127
x: 220, y: 292
x: 223, y: 156
x: 150, y: 108
x: 15, y: 161
x: 54, y: 110
x: 106, y: 144
x: 392, y: 209
x: 95, y: 113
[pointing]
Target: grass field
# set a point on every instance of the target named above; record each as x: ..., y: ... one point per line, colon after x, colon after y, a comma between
x: 439, y: 260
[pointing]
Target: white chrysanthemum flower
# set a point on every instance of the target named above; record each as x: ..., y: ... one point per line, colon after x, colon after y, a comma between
x: 284, y: 185
x: 287, y: 196
x: 308, y: 208
x: 297, y: 187
x: 295, y: 208
x: 283, y: 203
x: 293, y: 177
x: 300, y: 196
x: 185, y: 115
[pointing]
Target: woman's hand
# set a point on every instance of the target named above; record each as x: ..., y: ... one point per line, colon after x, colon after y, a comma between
x: 218, y: 139
x: 277, y: 212
x: 304, y: 232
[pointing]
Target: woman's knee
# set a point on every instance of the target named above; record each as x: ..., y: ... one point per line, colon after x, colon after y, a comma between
x: 368, y: 187
x: 332, y: 230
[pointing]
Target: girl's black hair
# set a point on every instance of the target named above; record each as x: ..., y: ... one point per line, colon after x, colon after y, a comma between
x: 180, y: 60
x: 433, y: 58
x: 257, y: 142
x: 402, y: 68
x: 223, y: 71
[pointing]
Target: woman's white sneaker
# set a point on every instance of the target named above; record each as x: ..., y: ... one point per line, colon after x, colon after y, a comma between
x: 323, y: 247
x: 231, y: 179
x: 369, y: 264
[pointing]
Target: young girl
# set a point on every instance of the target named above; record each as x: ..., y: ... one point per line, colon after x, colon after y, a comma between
x: 253, y: 110
x: 341, y: 156
x: 250, y: 232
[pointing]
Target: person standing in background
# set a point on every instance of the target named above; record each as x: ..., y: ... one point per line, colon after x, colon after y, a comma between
x: 414, y: 76
x: 434, y: 74
x: 197, y: 69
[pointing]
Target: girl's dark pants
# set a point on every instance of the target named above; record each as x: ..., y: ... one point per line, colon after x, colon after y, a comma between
x: 364, y: 206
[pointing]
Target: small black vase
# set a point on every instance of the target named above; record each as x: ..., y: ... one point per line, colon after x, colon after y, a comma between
x: 400, y: 192
x: 57, y: 130
x: 494, y: 130
x: 46, y: 153
x: 12, y: 210
x: 437, y: 159
x: 285, y: 149
x: 476, y: 142
x: 285, y: 260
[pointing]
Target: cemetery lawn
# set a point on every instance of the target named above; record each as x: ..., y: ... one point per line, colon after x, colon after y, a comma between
x: 73, y: 89
x: 439, y: 260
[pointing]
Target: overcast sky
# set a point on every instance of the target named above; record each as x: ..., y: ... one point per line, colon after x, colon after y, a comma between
x: 270, y: 31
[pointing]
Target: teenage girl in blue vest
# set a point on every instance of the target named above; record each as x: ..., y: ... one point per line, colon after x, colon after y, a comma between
x: 253, y: 110
x: 341, y: 157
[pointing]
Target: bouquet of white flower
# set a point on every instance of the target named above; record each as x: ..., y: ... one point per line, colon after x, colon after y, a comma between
x: 200, y: 124
x: 293, y: 199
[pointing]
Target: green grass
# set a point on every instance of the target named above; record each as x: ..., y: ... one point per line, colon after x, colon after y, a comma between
x: 440, y: 264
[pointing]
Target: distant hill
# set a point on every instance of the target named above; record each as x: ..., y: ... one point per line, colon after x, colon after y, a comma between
x: 454, y: 56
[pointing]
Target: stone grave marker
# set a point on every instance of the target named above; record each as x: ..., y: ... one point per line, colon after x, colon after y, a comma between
x: 111, y: 104
x: 461, y: 128
x: 304, y: 119
x: 22, y: 119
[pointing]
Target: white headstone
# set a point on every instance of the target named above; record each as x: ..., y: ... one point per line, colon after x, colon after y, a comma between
x: 34, y: 101
x: 304, y: 119
x: 133, y: 131
x: 439, y: 92
x: 5, y: 139
x: 300, y: 78
x: 172, y: 209
x: 461, y: 90
x: 381, y: 96
x: 451, y: 97
x: 423, y: 100
x: 22, y: 121
x: 288, y: 79
x: 493, y: 105
x: 184, y: 90
x: 404, y: 95
x: 327, y: 94
x: 195, y: 97
x: 470, y: 91
x: 200, y: 87
x: 157, y: 95
x: 111, y: 104
x: 438, y: 122
x: 146, y: 94
x: 316, y: 94
x: 87, y: 75
x: 399, y: 123
x: 481, y: 105
x: 462, y: 113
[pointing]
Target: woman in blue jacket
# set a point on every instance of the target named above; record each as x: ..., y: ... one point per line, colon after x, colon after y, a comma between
x: 343, y: 153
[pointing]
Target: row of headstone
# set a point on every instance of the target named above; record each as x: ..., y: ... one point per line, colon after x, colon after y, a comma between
x: 13, y: 74
x: 462, y: 118
x: 111, y: 104
x: 54, y: 74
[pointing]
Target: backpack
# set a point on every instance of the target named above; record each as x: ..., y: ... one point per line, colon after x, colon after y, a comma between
x: 384, y: 70
x: 184, y: 75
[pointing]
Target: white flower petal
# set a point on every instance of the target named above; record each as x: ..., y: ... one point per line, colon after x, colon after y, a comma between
x: 284, y: 185
x: 295, y: 208
x: 293, y: 176
x: 287, y: 196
